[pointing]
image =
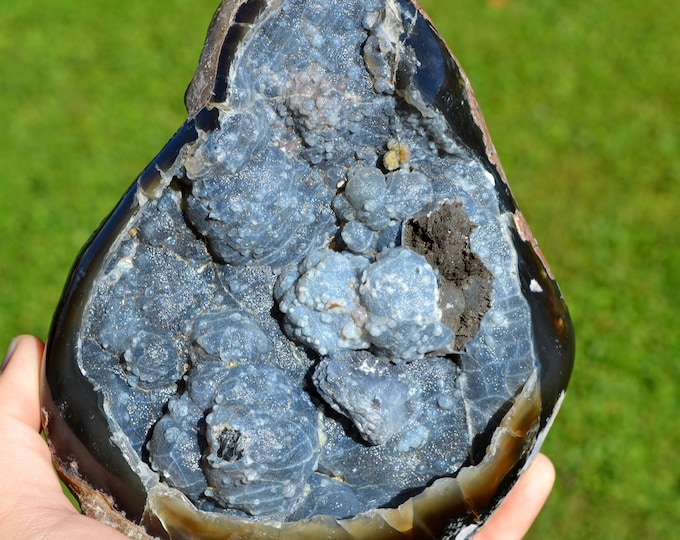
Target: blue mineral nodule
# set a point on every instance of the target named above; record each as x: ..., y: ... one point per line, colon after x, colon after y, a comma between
x: 318, y: 311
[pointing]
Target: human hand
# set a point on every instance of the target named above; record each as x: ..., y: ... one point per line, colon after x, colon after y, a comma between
x: 33, y: 505
x: 512, y: 519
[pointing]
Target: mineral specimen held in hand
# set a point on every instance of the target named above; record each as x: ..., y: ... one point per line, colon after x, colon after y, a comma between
x: 318, y: 311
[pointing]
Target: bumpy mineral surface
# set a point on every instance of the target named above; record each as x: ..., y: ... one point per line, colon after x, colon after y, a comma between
x: 316, y: 308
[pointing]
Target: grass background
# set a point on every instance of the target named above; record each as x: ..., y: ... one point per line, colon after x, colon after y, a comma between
x: 582, y: 101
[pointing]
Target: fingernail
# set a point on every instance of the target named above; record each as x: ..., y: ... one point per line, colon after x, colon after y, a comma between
x: 8, y: 355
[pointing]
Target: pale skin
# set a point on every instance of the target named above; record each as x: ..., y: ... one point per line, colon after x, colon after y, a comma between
x: 32, y: 504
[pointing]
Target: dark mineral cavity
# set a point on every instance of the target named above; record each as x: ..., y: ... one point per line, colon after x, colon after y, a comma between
x: 320, y: 311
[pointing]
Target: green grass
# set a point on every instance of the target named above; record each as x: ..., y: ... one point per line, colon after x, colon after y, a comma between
x: 581, y: 98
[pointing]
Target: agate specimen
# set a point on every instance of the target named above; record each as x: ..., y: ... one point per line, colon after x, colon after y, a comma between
x: 318, y: 312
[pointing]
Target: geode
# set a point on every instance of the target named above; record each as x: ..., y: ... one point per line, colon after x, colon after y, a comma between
x: 318, y: 311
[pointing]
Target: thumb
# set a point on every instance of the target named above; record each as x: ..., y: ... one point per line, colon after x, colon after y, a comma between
x: 20, y: 381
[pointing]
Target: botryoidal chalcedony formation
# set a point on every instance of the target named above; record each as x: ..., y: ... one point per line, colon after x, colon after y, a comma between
x: 317, y: 309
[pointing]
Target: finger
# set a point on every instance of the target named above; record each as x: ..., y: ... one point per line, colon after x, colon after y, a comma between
x: 513, y: 518
x: 24, y: 456
x: 29, y: 485
x: 20, y: 382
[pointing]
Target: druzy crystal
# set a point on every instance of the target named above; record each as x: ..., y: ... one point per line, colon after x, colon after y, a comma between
x: 317, y: 311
